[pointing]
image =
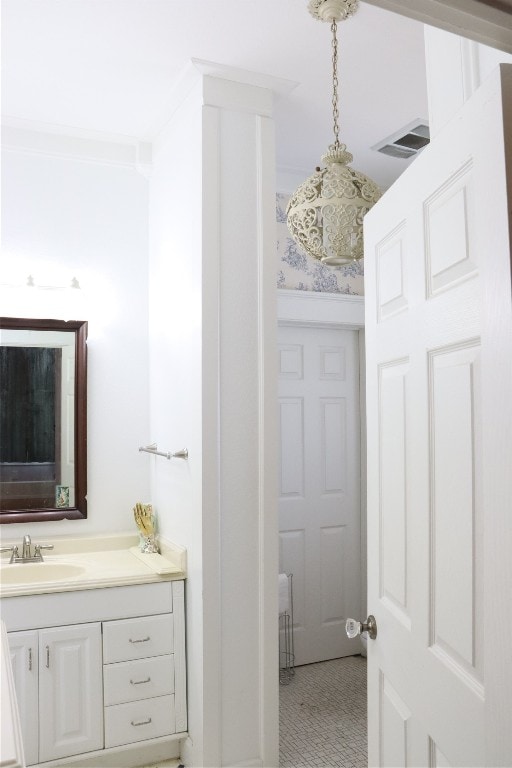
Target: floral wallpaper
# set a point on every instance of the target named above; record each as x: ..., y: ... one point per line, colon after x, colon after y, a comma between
x: 299, y: 271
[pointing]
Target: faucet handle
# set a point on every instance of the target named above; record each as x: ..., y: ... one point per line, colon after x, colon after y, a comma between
x: 13, y: 550
x: 39, y: 547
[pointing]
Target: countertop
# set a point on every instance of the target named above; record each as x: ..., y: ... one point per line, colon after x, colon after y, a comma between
x: 101, y: 561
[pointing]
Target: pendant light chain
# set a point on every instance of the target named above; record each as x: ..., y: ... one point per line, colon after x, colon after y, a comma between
x: 335, y: 111
x: 325, y: 213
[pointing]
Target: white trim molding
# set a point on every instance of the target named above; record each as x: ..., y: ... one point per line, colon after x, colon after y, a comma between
x: 469, y: 18
x: 209, y: 73
x: 320, y: 309
x: 99, y: 147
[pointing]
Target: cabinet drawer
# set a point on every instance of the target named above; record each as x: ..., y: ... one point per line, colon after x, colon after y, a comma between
x: 140, y: 679
x: 137, y: 638
x: 139, y: 720
x: 110, y: 604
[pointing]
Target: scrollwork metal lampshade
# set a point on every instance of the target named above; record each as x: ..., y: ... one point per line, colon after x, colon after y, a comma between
x: 325, y: 214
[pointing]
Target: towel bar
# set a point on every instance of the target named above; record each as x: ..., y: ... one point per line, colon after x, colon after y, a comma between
x: 153, y: 448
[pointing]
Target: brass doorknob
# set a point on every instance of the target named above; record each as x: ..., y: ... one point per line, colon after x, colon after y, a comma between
x: 354, y: 628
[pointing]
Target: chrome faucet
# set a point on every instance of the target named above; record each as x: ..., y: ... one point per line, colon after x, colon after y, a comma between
x: 26, y: 551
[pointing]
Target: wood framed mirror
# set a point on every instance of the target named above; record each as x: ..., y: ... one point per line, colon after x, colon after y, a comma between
x: 43, y: 420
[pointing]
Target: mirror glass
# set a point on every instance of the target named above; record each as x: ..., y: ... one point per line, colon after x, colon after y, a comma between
x: 43, y: 420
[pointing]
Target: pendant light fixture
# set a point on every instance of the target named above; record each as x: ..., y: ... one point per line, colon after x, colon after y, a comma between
x: 325, y: 214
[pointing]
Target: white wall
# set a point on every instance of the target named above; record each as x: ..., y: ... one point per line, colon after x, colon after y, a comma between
x: 206, y: 380
x: 62, y: 217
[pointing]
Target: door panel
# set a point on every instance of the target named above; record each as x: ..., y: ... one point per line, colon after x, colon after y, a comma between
x: 392, y: 434
x: 453, y: 406
x: 394, y: 743
x: 23, y: 647
x: 291, y: 410
x: 319, y: 497
x: 428, y: 260
x: 70, y: 691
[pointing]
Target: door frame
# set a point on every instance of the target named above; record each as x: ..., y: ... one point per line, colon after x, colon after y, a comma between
x: 337, y: 311
x: 477, y: 21
x: 485, y: 21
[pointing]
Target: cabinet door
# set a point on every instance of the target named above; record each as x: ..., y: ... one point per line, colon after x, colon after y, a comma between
x: 70, y: 691
x: 23, y: 647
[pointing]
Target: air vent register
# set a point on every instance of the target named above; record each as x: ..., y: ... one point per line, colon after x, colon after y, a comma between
x: 406, y: 142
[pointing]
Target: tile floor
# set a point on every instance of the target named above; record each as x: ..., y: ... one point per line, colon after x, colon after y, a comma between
x: 322, y: 715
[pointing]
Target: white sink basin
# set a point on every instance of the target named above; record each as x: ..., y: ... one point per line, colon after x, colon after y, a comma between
x: 32, y: 573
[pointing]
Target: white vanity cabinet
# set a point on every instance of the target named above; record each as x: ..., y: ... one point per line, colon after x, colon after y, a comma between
x: 58, y: 682
x: 109, y: 674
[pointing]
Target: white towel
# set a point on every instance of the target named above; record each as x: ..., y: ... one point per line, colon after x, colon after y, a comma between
x: 284, y: 593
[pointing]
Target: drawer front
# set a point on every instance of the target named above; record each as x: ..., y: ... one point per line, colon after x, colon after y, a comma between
x: 63, y: 608
x: 140, y: 679
x: 137, y: 638
x: 139, y: 720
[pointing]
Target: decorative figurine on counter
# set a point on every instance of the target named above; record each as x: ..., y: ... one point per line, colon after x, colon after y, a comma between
x: 145, y: 520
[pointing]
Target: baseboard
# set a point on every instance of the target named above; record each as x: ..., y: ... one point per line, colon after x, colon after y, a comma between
x: 126, y: 756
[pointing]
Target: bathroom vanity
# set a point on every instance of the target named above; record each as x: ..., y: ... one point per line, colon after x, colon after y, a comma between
x: 98, y: 655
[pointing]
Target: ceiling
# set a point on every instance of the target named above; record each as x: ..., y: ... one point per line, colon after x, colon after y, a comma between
x: 109, y: 66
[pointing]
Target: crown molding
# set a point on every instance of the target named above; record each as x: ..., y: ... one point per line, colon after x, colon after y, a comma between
x: 52, y: 140
x: 119, y: 150
x: 195, y: 71
x: 278, y: 85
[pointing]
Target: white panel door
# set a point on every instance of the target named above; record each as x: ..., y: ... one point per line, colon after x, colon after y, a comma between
x: 319, y: 485
x: 23, y: 647
x: 70, y: 691
x: 439, y: 363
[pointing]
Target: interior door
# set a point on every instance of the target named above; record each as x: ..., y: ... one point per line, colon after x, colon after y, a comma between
x: 439, y: 367
x: 319, y: 494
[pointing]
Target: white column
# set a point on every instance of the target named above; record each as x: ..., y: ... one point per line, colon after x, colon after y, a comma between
x: 239, y: 401
x: 213, y: 371
x: 175, y: 360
